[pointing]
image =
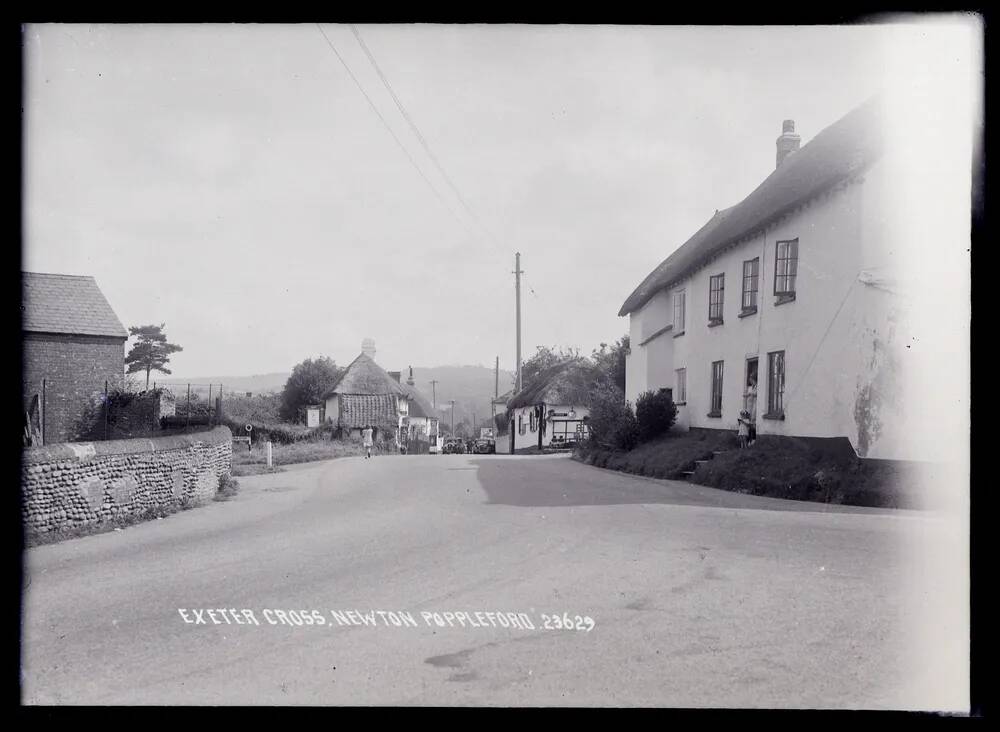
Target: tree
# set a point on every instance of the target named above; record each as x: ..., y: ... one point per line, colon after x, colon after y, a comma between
x: 544, y: 358
x: 308, y: 384
x: 150, y: 352
x: 610, y: 361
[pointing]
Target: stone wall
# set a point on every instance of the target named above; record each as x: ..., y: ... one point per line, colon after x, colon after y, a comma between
x: 76, y: 484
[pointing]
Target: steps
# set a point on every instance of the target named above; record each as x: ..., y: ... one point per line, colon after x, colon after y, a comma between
x: 688, y: 473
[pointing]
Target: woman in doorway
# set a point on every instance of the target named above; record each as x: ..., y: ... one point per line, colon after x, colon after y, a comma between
x: 751, y: 409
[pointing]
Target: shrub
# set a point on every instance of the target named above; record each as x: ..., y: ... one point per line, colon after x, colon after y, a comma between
x: 655, y: 413
x: 612, y: 422
x: 228, y: 487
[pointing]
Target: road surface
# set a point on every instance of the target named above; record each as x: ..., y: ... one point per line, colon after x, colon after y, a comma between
x: 697, y: 597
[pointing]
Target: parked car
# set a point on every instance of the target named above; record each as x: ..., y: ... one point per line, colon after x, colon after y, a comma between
x: 484, y: 447
x: 455, y: 446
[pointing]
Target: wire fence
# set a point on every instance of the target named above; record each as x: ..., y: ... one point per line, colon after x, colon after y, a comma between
x: 59, y: 410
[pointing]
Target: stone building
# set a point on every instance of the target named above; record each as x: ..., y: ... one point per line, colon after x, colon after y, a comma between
x: 72, y: 343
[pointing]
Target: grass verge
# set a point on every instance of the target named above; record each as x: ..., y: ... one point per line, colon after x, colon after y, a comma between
x: 255, y: 463
x: 779, y: 467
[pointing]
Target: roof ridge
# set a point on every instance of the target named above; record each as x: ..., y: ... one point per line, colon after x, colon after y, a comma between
x: 834, y: 154
x: 57, y: 274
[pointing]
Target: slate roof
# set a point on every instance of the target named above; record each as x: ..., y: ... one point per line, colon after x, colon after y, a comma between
x: 368, y: 410
x: 839, y: 152
x: 56, y: 303
x: 364, y: 376
x: 566, y: 383
x: 419, y: 406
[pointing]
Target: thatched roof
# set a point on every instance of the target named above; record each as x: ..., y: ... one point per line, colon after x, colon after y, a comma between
x: 839, y: 152
x: 419, y: 406
x: 364, y: 376
x: 569, y: 383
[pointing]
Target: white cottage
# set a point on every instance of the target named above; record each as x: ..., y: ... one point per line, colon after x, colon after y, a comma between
x: 553, y: 410
x: 795, y: 288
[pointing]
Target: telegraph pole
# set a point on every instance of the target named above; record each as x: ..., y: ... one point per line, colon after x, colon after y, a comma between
x: 434, y: 394
x: 517, y: 288
x: 452, y: 417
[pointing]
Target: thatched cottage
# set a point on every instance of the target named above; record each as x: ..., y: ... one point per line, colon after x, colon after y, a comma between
x: 553, y: 410
x: 366, y: 396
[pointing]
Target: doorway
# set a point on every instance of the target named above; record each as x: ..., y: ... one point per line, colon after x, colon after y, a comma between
x: 750, y: 380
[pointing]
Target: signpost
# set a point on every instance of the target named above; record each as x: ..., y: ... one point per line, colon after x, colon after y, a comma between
x: 247, y: 439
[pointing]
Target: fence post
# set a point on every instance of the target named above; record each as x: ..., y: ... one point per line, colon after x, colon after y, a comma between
x: 106, y: 407
x: 187, y: 423
x: 269, y: 454
x: 211, y: 420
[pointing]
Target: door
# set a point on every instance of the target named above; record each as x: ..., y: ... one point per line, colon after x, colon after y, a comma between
x: 750, y: 380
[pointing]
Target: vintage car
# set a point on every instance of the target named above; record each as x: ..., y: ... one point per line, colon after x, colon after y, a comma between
x: 484, y: 447
x: 454, y: 445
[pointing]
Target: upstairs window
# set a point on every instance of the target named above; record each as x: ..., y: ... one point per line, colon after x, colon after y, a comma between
x: 751, y: 273
x: 716, y: 291
x: 786, y: 257
x: 679, y: 307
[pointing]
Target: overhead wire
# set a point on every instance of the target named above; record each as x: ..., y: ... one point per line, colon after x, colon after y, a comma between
x: 420, y: 138
x: 391, y: 132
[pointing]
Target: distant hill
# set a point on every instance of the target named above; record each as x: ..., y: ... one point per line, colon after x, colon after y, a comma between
x: 471, y: 387
x: 257, y: 384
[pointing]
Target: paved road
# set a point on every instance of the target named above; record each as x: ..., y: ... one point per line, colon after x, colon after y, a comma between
x: 698, y: 597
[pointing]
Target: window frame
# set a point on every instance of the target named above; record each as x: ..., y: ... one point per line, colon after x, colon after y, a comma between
x: 715, y: 396
x: 680, y: 295
x: 790, y: 270
x: 754, y: 279
x: 776, y: 371
x: 716, y: 297
x: 680, y: 386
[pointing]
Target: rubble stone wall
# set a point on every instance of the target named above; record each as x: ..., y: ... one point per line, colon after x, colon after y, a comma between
x: 76, y: 484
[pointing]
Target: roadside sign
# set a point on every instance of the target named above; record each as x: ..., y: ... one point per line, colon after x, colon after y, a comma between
x: 249, y: 428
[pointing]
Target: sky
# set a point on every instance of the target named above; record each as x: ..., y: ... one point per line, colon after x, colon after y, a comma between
x: 233, y: 182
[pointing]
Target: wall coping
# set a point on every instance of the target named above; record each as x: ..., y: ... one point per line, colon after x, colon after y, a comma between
x: 81, y: 451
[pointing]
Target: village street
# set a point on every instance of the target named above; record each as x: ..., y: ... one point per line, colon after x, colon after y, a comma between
x: 698, y: 597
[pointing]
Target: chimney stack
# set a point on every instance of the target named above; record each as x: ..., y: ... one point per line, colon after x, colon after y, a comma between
x: 368, y: 348
x: 410, y: 380
x: 787, y: 143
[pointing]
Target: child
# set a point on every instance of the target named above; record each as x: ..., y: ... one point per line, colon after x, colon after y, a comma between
x: 366, y: 435
x: 744, y: 428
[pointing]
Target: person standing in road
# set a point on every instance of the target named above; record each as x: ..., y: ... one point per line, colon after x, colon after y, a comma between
x: 366, y: 436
